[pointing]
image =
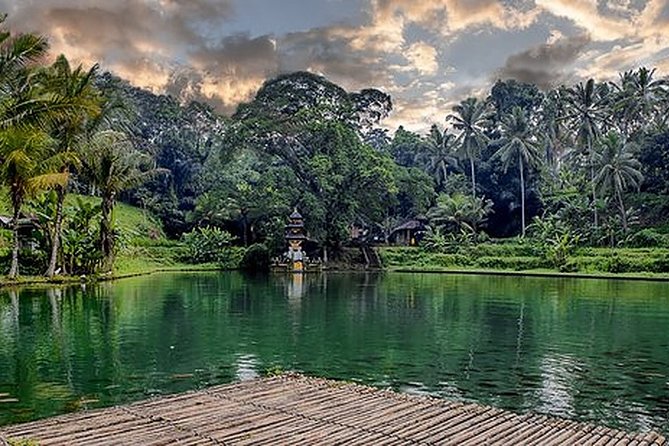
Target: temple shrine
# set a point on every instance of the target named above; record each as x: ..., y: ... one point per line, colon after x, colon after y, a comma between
x: 295, y: 236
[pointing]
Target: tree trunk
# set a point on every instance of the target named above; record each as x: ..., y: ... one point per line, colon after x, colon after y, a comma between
x: 14, y: 269
x: 245, y: 224
x: 522, y: 195
x: 55, y: 239
x: 106, y: 236
x: 592, y: 183
x: 444, y: 172
x: 473, y: 171
x: 623, y: 214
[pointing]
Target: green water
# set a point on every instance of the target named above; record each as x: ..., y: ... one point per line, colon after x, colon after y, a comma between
x: 592, y: 350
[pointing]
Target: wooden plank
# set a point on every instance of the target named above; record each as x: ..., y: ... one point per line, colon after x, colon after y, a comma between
x: 298, y: 410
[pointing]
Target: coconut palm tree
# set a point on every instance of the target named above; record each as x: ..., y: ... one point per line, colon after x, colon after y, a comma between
x: 617, y: 170
x: 26, y: 169
x: 518, y: 144
x: 440, y: 154
x: 470, y: 117
x: 639, y: 98
x: 27, y: 112
x: 76, y: 86
x: 586, y: 113
x: 112, y: 165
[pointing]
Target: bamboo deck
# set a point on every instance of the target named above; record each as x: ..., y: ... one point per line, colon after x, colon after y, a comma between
x: 293, y: 409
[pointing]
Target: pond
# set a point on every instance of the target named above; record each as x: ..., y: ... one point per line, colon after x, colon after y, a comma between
x: 589, y: 350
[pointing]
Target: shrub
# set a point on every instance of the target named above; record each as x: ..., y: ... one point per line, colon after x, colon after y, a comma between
x: 256, y: 258
x: 208, y: 244
x: 649, y: 238
x: 31, y: 263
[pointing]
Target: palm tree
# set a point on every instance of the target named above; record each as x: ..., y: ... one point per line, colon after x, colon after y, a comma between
x: 639, y: 97
x: 440, y: 152
x: 617, y: 170
x: 459, y: 211
x: 518, y: 144
x: 77, y: 87
x: 26, y: 169
x: 470, y: 117
x: 586, y: 113
x: 112, y: 165
x: 27, y: 112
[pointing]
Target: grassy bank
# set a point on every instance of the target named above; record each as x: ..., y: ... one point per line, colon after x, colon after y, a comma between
x: 522, y: 258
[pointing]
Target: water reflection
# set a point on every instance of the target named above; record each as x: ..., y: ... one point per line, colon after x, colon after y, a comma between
x: 589, y: 350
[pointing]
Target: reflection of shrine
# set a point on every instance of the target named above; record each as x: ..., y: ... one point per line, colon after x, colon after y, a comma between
x: 296, y: 288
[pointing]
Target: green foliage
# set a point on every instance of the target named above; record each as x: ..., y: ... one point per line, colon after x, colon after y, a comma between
x: 458, y: 213
x: 435, y: 241
x: 207, y: 245
x: 256, y: 258
x: 649, y: 238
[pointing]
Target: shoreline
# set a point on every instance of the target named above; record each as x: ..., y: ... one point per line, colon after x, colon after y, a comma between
x: 37, y: 281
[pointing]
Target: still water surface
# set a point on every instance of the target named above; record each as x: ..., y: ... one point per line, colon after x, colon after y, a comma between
x: 591, y: 350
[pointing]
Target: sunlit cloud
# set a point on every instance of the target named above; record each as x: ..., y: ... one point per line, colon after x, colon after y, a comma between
x: 408, y: 48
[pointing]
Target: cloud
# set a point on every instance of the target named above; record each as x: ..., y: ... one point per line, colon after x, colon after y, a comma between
x: 415, y: 50
x: 544, y: 65
x: 450, y: 16
x: 423, y: 58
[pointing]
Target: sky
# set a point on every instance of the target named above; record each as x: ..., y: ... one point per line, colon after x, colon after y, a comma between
x: 427, y: 54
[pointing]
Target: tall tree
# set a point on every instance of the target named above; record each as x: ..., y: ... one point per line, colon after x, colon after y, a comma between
x: 113, y: 165
x: 441, y: 154
x: 27, y: 112
x: 638, y: 100
x: 518, y: 145
x: 26, y: 169
x: 586, y: 113
x: 77, y: 87
x: 470, y: 118
x: 617, y: 171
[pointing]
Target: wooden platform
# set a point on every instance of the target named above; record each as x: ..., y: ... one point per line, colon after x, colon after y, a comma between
x: 293, y: 409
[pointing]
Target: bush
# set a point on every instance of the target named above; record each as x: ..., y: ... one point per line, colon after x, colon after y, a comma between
x: 207, y: 245
x: 649, y: 238
x: 256, y: 258
x: 31, y: 263
x: 510, y: 263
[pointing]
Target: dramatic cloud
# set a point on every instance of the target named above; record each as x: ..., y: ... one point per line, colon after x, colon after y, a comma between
x: 423, y: 58
x: 428, y: 54
x: 544, y: 65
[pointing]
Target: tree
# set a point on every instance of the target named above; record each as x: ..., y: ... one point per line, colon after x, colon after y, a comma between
x: 77, y: 87
x: 459, y: 212
x: 470, y: 117
x: 312, y: 126
x: 440, y: 152
x: 27, y: 112
x: 586, y: 112
x: 112, y: 164
x: 639, y: 97
x: 26, y: 169
x: 617, y: 171
x: 518, y: 144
